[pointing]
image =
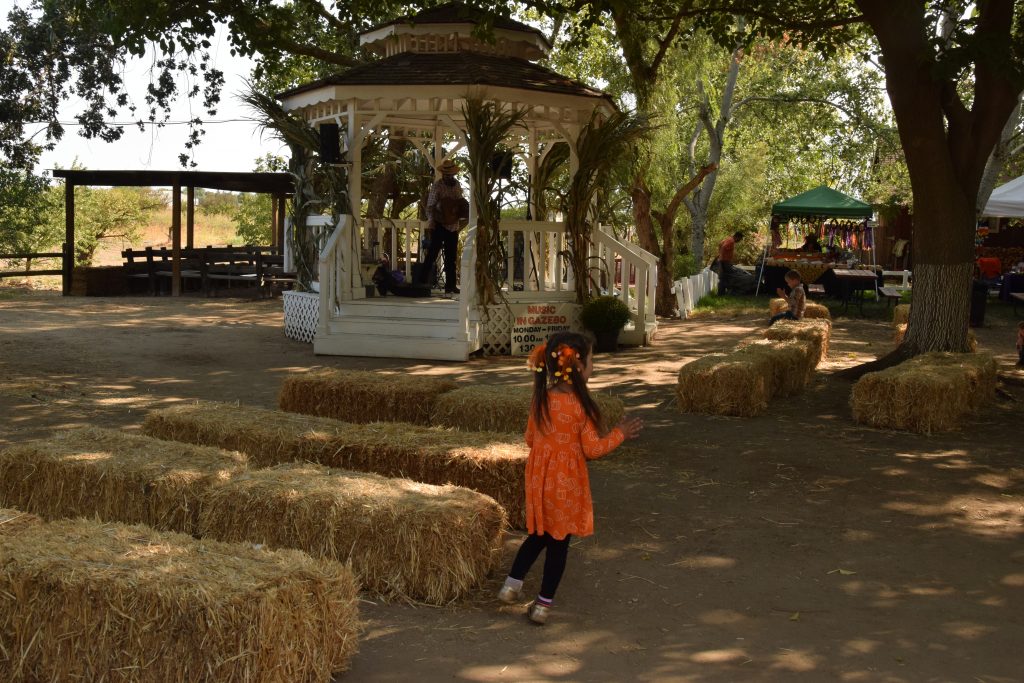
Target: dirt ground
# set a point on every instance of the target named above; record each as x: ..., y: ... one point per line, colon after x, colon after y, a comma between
x: 792, y: 546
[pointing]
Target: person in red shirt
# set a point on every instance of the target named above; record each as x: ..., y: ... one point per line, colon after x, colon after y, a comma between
x: 726, y: 251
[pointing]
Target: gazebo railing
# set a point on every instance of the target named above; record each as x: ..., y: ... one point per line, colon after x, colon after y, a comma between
x: 632, y: 273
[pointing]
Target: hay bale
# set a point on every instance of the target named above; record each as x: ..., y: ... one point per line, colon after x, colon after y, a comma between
x: 812, y: 311
x: 898, y: 333
x: 15, y: 521
x: 933, y: 392
x: 503, y: 409
x: 901, y: 314
x: 85, y: 601
x: 726, y: 384
x: 116, y: 476
x: 815, y: 331
x: 403, y: 538
x: 901, y: 331
x: 359, y: 396
x: 491, y: 463
x: 792, y: 361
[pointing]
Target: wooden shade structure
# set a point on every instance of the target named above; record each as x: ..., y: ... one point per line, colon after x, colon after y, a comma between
x: 279, y: 185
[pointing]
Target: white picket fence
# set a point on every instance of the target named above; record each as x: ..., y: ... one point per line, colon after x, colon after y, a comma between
x: 691, y: 290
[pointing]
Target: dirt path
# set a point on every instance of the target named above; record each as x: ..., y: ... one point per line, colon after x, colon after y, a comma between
x: 794, y: 546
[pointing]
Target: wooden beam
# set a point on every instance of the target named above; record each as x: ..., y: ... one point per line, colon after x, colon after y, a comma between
x: 176, y: 240
x: 273, y: 220
x: 68, y: 262
x: 282, y: 207
x: 190, y: 217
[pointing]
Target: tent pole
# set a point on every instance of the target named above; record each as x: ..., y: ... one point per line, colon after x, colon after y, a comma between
x: 764, y: 257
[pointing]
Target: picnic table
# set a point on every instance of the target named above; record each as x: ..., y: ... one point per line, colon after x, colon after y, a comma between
x: 851, y: 281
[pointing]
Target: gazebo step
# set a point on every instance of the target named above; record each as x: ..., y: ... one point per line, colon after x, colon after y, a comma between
x: 391, y: 346
x: 416, y: 328
x: 396, y: 307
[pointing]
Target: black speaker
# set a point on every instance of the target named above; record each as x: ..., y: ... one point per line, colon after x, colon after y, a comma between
x: 501, y: 165
x: 330, y: 143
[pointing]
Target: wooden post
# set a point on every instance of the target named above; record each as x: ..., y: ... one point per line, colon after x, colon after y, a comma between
x: 176, y: 240
x: 68, y: 262
x: 281, y: 210
x: 273, y: 221
x: 190, y: 218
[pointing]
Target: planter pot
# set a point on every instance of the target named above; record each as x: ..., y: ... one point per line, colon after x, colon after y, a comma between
x: 607, y: 341
x: 301, y: 315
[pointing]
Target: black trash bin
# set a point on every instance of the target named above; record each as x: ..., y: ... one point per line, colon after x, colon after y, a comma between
x: 979, y: 298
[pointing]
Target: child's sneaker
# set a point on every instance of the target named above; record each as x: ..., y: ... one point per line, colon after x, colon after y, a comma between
x: 538, y: 613
x: 509, y: 595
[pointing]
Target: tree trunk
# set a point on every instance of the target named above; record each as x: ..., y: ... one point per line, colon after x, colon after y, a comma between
x: 698, y: 234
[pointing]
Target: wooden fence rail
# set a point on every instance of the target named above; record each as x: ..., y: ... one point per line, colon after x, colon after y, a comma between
x: 28, y: 258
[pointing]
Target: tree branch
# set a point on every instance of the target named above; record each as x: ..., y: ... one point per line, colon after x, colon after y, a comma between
x: 288, y: 45
x: 673, y: 206
x: 321, y: 11
x: 665, y: 43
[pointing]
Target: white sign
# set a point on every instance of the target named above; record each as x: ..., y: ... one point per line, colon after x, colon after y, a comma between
x: 532, y: 324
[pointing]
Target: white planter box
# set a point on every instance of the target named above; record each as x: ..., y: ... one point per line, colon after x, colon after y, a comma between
x: 301, y: 315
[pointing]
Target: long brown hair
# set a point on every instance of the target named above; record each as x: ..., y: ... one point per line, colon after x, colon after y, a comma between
x: 547, y: 367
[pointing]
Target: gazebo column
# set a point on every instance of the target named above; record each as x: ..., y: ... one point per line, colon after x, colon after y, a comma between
x: 355, y: 195
x: 273, y: 220
x: 68, y: 262
x: 176, y: 240
x: 282, y: 207
x: 190, y: 217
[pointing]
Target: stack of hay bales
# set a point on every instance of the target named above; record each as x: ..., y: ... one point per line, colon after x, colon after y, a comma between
x: 114, y: 476
x: 934, y: 392
x: 742, y: 382
x: 490, y: 463
x: 813, y: 310
x: 85, y: 601
x: 403, y: 538
x: 503, y: 409
x: 901, y: 314
x: 818, y: 332
x: 360, y: 396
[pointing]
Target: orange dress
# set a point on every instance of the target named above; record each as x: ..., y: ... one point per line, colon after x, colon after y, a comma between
x: 557, y: 486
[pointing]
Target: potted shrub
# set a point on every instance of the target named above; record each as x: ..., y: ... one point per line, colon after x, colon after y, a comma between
x: 605, y: 316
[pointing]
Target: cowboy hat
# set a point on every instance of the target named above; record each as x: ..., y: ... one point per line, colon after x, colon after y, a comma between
x: 449, y: 167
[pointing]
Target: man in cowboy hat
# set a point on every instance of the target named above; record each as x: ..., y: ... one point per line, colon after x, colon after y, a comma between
x: 446, y: 211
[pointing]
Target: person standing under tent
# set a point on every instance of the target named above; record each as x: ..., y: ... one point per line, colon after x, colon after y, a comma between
x: 726, y: 253
x: 447, y: 208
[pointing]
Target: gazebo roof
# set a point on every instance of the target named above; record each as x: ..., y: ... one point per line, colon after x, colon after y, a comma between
x: 454, y: 68
x: 459, y: 13
x: 823, y: 201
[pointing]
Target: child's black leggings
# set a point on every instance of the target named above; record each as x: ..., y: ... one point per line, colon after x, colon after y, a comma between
x: 554, y: 561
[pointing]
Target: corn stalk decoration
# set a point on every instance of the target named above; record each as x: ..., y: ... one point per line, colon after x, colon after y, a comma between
x: 487, y: 127
x: 319, y: 187
x: 601, y: 143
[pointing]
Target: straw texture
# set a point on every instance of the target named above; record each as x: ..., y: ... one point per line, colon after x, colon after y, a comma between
x: 934, y: 392
x: 404, y: 539
x: 504, y: 409
x: 360, y: 396
x: 85, y: 601
x: 491, y: 463
x: 726, y: 384
x: 901, y: 314
x: 15, y: 521
x: 115, y: 476
x: 812, y: 310
x: 817, y: 332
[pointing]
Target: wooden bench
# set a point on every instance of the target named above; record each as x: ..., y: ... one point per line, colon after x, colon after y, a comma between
x: 258, y: 266
x: 890, y: 294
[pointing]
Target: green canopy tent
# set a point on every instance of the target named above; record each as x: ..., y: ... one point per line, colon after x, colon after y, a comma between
x: 821, y: 202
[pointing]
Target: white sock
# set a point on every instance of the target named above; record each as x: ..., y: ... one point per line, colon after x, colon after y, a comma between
x: 514, y: 584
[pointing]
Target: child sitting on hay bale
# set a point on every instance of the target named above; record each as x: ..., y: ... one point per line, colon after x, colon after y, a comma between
x: 797, y: 299
x: 562, y: 433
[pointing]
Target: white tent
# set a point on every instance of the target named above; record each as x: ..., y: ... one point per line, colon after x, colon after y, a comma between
x: 1007, y: 200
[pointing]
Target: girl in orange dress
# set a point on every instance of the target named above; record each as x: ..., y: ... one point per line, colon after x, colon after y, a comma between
x: 563, y: 432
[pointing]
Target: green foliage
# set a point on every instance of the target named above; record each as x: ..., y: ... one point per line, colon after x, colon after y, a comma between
x: 253, y: 218
x: 106, y: 213
x: 684, y: 265
x: 211, y: 203
x: 29, y: 208
x: 604, y: 314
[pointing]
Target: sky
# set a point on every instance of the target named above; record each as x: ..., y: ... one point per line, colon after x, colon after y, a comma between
x: 230, y: 146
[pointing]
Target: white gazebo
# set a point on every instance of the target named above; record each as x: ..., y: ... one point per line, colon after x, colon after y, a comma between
x: 428, y: 66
